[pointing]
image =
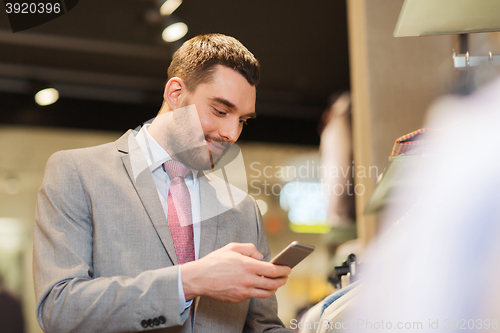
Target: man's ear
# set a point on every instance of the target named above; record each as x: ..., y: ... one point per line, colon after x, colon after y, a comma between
x: 174, y: 88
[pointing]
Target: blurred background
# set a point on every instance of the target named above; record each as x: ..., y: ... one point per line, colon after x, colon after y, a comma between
x: 106, y: 62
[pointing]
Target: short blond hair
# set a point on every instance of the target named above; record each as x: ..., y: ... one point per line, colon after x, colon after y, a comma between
x: 195, y: 60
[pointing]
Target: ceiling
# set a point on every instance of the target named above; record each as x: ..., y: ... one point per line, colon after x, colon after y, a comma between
x: 108, y: 61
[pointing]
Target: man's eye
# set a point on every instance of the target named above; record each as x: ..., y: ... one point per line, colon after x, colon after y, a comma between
x: 244, y: 122
x: 222, y: 113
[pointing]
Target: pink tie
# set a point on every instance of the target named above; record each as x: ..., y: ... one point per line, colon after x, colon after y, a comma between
x: 180, y: 221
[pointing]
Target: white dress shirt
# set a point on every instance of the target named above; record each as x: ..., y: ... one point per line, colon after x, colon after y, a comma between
x: 155, y: 156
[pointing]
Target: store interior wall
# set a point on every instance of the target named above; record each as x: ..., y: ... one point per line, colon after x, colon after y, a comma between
x: 393, y: 82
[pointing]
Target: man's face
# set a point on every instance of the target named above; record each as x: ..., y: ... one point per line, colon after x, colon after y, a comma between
x: 224, y: 104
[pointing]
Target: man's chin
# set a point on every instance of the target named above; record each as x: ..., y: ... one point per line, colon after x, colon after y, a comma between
x: 196, y: 158
x: 215, y: 158
x: 200, y: 158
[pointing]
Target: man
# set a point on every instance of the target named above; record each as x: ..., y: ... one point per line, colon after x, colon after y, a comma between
x: 111, y: 228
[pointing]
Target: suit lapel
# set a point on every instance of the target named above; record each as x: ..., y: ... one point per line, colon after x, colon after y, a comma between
x: 138, y: 171
x: 209, y: 215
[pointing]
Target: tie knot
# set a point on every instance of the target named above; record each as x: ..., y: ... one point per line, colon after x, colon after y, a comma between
x: 175, y: 169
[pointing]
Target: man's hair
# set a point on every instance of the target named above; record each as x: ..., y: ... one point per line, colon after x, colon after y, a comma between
x: 195, y: 61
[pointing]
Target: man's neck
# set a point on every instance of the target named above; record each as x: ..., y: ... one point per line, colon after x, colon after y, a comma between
x: 157, y: 127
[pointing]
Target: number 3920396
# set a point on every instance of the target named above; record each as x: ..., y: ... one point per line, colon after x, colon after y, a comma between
x: 32, y: 8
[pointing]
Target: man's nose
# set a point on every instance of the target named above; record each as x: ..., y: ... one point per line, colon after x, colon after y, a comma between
x: 231, y: 131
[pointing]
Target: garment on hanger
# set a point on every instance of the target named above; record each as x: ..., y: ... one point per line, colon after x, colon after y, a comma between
x: 338, y: 294
x: 413, y: 143
x: 310, y: 317
x: 335, y: 318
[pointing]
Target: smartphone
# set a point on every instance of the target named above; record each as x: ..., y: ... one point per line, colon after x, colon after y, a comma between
x: 291, y: 255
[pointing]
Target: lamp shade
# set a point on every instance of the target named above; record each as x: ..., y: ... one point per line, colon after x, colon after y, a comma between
x: 434, y: 17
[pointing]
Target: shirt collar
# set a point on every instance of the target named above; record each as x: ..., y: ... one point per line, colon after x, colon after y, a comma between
x: 155, y: 154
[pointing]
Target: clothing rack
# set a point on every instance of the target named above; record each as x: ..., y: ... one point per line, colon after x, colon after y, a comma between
x: 349, y: 268
x: 464, y: 62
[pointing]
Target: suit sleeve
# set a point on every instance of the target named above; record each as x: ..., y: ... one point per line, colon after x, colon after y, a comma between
x: 263, y: 313
x: 69, y: 298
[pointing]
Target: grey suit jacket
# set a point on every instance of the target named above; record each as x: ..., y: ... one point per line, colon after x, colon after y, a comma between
x: 104, y: 258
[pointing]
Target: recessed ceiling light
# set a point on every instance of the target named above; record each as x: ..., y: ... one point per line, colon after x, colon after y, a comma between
x: 46, y: 96
x: 174, y: 32
x: 169, y: 7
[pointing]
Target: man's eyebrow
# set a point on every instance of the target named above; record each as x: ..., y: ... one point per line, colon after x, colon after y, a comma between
x: 224, y: 101
x: 251, y: 115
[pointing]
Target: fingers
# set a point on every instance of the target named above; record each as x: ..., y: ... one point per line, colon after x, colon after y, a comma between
x: 237, y: 297
x: 247, y: 249
x: 259, y: 286
x: 258, y: 267
x: 270, y: 270
x: 261, y: 293
x: 268, y: 284
x: 280, y: 271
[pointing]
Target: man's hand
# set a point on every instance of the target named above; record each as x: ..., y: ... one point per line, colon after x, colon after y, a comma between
x: 233, y: 273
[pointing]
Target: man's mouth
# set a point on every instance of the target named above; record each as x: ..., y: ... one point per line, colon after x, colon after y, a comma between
x: 215, y: 147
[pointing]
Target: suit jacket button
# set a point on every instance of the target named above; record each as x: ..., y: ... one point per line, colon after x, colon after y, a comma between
x: 150, y: 322
x: 144, y: 323
x: 163, y: 320
x: 156, y: 321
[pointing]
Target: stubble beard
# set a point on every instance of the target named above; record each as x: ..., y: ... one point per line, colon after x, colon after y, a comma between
x: 199, y: 157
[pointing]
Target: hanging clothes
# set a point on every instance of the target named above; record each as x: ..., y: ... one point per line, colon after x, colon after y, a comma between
x: 335, y: 316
